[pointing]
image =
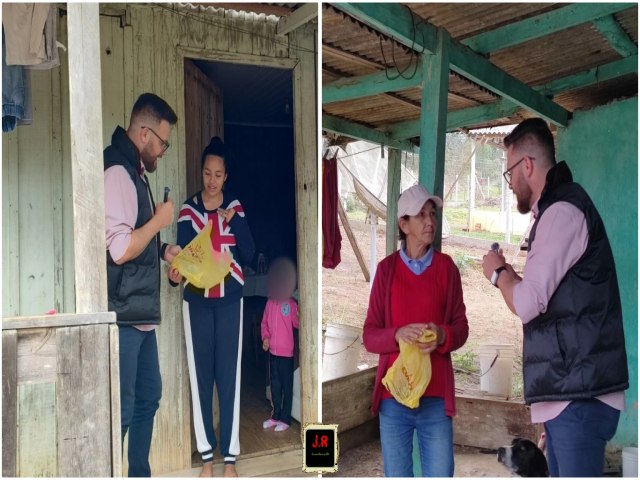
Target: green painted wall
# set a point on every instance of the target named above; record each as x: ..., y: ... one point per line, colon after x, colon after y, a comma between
x: 601, y: 147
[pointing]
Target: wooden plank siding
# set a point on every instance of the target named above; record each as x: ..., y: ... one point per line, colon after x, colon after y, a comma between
x: 144, y: 51
x: 57, y: 390
x: 36, y: 450
x: 84, y: 432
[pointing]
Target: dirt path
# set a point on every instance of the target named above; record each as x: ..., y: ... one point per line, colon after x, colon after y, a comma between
x: 366, y: 461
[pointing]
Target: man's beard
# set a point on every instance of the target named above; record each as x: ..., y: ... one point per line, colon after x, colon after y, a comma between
x: 149, y: 161
x: 524, y: 199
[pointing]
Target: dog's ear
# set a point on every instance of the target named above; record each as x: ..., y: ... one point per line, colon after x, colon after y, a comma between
x: 515, y: 441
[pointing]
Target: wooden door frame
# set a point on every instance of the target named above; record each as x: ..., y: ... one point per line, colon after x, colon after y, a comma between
x: 308, y: 354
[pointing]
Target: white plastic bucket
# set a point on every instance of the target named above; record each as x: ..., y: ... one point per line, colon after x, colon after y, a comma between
x: 341, y: 351
x: 496, y: 369
x: 630, y: 462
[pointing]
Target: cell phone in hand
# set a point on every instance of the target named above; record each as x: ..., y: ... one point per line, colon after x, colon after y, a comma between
x: 166, y: 194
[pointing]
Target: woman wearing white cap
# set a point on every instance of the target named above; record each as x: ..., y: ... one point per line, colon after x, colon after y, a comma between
x: 416, y: 289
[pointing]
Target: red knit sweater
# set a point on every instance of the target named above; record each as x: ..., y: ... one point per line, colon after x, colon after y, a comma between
x: 435, y: 296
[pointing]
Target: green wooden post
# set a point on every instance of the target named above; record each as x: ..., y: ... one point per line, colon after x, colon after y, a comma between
x: 393, y: 191
x: 433, y: 121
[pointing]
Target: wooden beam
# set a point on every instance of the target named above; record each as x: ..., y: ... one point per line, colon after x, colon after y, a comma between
x: 59, y: 320
x: 395, y: 97
x: 456, y: 119
x: 300, y: 16
x: 398, y: 22
x: 592, y: 76
x: 114, y: 390
x: 362, y: 132
x: 326, y: 48
x: 352, y: 57
x: 433, y: 121
x: 504, y: 108
x: 9, y: 403
x: 618, y: 39
x: 541, y: 25
x: 394, y: 170
x: 486, y: 74
x: 87, y: 172
x: 305, y: 110
x: 495, y: 422
x: 351, y: 88
x: 347, y: 400
x: 354, y: 243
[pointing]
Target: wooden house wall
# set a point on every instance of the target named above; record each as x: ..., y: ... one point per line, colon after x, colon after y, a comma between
x: 144, y: 55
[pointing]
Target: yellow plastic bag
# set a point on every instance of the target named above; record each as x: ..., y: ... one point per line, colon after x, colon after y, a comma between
x: 410, y: 374
x: 200, y: 264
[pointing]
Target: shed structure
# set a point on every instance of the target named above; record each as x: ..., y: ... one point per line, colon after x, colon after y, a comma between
x: 404, y: 74
x: 53, y: 242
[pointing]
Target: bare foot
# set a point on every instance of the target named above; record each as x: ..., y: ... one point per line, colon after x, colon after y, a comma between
x: 207, y: 470
x: 229, y: 470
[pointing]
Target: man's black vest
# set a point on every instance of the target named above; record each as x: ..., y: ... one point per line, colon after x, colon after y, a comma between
x: 134, y: 287
x: 575, y: 350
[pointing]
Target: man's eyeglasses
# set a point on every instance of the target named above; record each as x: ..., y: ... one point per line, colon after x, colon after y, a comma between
x: 165, y: 144
x: 508, y: 174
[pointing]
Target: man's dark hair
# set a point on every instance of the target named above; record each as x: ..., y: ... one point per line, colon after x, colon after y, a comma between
x: 533, y: 128
x: 218, y: 148
x: 151, y: 105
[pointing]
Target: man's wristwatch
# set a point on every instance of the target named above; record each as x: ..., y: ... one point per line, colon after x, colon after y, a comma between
x: 496, y: 274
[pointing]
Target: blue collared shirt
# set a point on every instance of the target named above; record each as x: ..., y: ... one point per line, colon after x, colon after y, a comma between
x: 419, y: 265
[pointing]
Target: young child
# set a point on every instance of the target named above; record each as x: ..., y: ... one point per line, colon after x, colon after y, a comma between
x: 279, y: 319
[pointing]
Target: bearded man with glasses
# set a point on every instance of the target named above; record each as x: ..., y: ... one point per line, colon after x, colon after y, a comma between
x: 574, y: 359
x: 133, y: 223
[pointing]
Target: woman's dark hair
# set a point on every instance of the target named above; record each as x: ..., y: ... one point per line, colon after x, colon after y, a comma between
x: 216, y: 147
x: 403, y: 236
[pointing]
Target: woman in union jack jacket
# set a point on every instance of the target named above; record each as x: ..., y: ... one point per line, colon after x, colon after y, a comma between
x: 213, y: 317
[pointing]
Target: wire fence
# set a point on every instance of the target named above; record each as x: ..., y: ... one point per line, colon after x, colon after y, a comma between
x: 478, y: 202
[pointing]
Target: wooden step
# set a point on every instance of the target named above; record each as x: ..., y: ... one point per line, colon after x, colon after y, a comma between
x: 278, y: 464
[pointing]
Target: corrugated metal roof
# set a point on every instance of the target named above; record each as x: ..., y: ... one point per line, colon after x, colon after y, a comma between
x: 275, y: 10
x: 351, y: 48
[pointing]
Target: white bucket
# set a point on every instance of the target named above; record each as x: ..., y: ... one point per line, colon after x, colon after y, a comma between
x: 630, y: 462
x: 496, y: 369
x: 341, y: 351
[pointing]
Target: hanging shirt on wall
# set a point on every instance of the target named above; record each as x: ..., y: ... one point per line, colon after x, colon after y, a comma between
x: 331, y: 238
x: 30, y: 34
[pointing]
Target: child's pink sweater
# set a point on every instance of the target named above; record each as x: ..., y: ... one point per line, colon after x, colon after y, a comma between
x: 278, y: 322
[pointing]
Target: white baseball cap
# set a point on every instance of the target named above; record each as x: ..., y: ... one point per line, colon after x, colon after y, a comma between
x: 413, y: 199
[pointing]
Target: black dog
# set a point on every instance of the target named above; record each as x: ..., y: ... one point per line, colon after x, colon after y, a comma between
x: 524, y: 458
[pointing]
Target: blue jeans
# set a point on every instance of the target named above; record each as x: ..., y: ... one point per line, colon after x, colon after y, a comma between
x: 435, y: 438
x: 576, y: 438
x: 140, y: 392
x: 281, y: 377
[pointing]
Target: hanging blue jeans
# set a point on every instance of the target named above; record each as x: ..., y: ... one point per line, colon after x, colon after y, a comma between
x: 435, y: 438
x: 140, y: 392
x: 13, y: 92
x: 576, y: 438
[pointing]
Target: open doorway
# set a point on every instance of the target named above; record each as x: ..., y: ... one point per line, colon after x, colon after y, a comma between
x: 251, y: 108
